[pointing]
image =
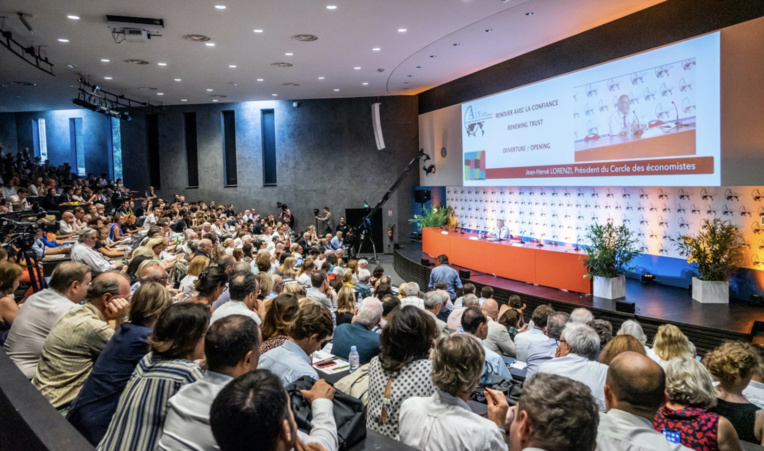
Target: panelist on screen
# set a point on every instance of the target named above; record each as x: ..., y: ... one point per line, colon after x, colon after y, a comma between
x: 622, y: 121
x: 501, y: 231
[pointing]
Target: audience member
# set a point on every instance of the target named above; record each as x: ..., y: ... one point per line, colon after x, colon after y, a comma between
x: 254, y: 408
x: 444, y: 421
x: 310, y: 328
x: 195, y: 268
x: 454, y: 323
x: 633, y: 328
x: 533, y: 334
x: 619, y: 345
x: 390, y: 304
x: 175, y: 344
x: 10, y: 278
x: 669, y: 342
x: 77, y: 339
x: 485, y: 293
x: 321, y: 291
x: 433, y: 303
x: 212, y: 282
x: 581, y: 315
x: 498, y: 339
x: 232, y: 348
x: 475, y: 324
x: 468, y: 288
x: 275, y: 326
x: 84, y: 251
x: 345, y: 306
x: 95, y: 404
x: 360, y: 332
x: 243, y: 289
x: 68, y: 286
x: 412, y: 296
x: 444, y: 273
x: 542, y: 351
x: 754, y: 392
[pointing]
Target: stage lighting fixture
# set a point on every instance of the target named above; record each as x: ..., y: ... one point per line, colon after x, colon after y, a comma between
x: 755, y: 300
x: 429, y: 169
x: 647, y: 279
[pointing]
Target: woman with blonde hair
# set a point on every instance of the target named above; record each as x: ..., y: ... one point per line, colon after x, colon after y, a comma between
x: 306, y: 270
x: 345, y: 305
x: 287, y: 268
x: 197, y: 265
x: 732, y: 364
x: 690, y: 395
x: 353, y: 267
x: 347, y: 278
x: 669, y: 342
x: 618, y: 345
x: 158, y: 246
x: 265, y: 282
x: 402, y: 291
x: 275, y: 327
x: 293, y: 288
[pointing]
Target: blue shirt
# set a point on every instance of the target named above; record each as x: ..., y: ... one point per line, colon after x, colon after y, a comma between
x: 334, y: 244
x: 495, y: 368
x: 363, y: 290
x: 289, y: 362
x: 96, y: 403
x: 538, y: 353
x: 355, y: 334
x: 444, y: 273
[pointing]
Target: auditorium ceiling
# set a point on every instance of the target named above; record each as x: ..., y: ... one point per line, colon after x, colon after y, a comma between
x: 364, y: 48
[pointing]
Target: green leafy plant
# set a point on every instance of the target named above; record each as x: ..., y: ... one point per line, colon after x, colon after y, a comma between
x: 611, y: 250
x: 717, y: 250
x: 433, y: 217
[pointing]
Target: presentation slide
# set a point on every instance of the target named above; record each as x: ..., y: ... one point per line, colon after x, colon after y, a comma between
x: 651, y: 119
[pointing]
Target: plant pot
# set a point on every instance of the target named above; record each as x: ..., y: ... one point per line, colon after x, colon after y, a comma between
x: 710, y: 292
x: 609, y: 288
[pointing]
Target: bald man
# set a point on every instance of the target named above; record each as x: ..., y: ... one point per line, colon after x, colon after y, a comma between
x: 634, y: 391
x: 498, y: 339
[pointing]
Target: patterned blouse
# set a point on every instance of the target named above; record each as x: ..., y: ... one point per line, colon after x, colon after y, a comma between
x: 271, y: 343
x: 414, y: 380
x: 692, y: 427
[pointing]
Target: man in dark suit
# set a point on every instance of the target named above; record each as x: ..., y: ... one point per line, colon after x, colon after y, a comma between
x: 359, y: 333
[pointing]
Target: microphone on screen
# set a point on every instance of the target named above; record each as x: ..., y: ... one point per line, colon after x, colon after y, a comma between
x: 677, y: 123
x: 639, y: 130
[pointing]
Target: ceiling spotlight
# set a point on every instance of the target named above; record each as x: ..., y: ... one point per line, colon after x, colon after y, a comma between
x: 105, y: 60
x: 419, y: 67
x: 320, y: 78
x: 63, y: 40
x: 73, y: 17
x: 209, y: 89
x: 71, y: 66
x: 257, y: 30
x: 161, y: 64
x: 357, y: 68
x: 196, y: 37
x: 177, y: 79
x: 274, y: 95
x: 305, y: 37
x: 259, y: 79
x: 336, y: 90
x: 107, y: 78
x: 456, y: 44
x: 138, y: 62
x: 214, y: 100
x: 160, y: 93
x: 331, y: 6
x: 184, y: 100
x: 209, y: 44
x: 232, y: 66
x: 432, y: 56
x: 289, y: 54
x: 219, y: 6
x: 488, y: 30
x: 365, y: 83
x: 376, y: 49
x: 402, y: 30
x: 429, y: 169
x: 530, y: 13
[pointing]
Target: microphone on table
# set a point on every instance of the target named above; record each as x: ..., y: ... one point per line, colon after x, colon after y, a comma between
x: 677, y: 124
x: 639, y: 130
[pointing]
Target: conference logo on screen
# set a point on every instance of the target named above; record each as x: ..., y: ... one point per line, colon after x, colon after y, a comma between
x: 474, y: 121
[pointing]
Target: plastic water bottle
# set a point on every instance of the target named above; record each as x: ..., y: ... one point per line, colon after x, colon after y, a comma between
x: 354, y: 359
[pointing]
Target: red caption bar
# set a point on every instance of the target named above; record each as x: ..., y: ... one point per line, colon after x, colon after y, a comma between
x: 665, y: 166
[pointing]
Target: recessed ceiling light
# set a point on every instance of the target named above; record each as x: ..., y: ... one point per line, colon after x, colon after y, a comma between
x: 357, y: 68
x: 209, y: 89
x: 63, y: 40
x: 177, y: 79
x: 105, y: 60
x: 305, y: 37
x: 432, y: 56
x: 107, y: 78
x: 376, y: 49
x: 331, y: 6
x: 291, y: 84
x: 232, y: 66
x: 402, y: 30
x: 409, y: 76
x: 289, y: 54
x: 419, y: 67
x: 160, y: 93
x: 365, y: 83
x: 184, y: 100
x: 274, y: 95
x: 336, y: 89
x: 196, y: 37
x: 488, y: 30
x: 257, y: 30
x: 259, y: 79
x: 214, y: 100
x: 219, y: 6
x: 209, y: 44
x: 529, y: 13
x: 137, y: 62
x: 456, y: 44
x: 73, y: 17
x: 71, y: 66
x: 161, y: 64
x: 282, y: 64
x: 320, y: 78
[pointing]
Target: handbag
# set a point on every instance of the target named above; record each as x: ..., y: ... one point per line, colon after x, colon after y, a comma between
x: 510, y: 387
x: 348, y: 413
x: 356, y: 384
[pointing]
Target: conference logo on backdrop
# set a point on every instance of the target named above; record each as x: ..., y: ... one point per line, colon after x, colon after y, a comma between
x: 474, y: 121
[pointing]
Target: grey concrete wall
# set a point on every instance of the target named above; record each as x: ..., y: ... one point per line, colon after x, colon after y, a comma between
x: 326, y: 156
x: 8, y: 134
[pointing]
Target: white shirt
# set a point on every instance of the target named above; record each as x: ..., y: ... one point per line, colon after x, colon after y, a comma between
x: 589, y: 372
x: 304, y: 280
x: 187, y: 285
x: 65, y: 227
x: 622, y: 431
x: 234, y: 308
x: 412, y: 300
x: 754, y: 392
x: 31, y: 327
x: 502, y: 233
x: 523, y: 340
x: 443, y: 422
x: 89, y: 256
x: 148, y: 222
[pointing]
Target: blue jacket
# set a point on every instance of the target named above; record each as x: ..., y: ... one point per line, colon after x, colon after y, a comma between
x: 355, y: 334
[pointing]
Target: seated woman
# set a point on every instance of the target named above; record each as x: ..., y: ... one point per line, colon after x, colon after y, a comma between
x: 94, y: 406
x: 345, y: 305
x: 104, y: 247
x: 212, y: 282
x: 275, y: 327
x: 128, y: 226
x: 402, y: 370
x: 175, y: 344
x: 158, y: 245
x: 347, y: 278
x: 115, y: 230
x: 732, y: 365
x: 444, y: 420
x: 10, y: 277
x: 619, y: 345
x: 690, y: 394
x: 669, y: 342
x: 197, y: 265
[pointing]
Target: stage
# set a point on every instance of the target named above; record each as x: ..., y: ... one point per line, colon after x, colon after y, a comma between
x: 707, y: 325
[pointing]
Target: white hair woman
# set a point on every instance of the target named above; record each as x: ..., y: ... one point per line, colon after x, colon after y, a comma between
x: 633, y: 328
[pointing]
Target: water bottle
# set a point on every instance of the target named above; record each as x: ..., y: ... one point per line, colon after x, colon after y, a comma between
x: 354, y: 359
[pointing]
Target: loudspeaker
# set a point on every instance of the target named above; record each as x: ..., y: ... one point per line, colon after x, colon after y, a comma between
x: 425, y: 262
x: 464, y: 274
x: 625, y: 307
x: 376, y: 122
x: 422, y: 196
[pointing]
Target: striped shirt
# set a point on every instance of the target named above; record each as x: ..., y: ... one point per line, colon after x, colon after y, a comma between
x: 139, y: 419
x: 69, y: 352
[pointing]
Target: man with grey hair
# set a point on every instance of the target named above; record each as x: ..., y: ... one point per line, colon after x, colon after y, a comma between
x: 541, y: 351
x: 359, y: 333
x: 84, y: 251
x: 244, y: 290
x: 433, y: 303
x: 574, y: 359
x: 454, y: 322
x: 581, y: 315
x: 204, y: 248
x: 412, y: 296
x: 150, y: 273
x: 498, y: 339
x: 362, y: 287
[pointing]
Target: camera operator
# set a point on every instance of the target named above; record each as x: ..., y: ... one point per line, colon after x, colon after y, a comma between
x: 327, y: 223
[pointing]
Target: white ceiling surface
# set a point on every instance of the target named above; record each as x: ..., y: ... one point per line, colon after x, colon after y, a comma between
x: 346, y: 35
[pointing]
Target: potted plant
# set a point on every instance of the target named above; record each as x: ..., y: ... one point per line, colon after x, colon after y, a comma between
x: 608, y: 256
x: 433, y: 217
x: 717, y: 250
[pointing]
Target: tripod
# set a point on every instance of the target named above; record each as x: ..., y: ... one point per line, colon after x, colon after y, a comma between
x: 366, y: 236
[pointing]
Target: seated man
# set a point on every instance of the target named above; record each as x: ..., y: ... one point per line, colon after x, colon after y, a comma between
x: 78, y: 338
x: 232, y: 348
x: 67, y: 288
x: 454, y: 323
x: 321, y: 291
x: 253, y: 412
x: 534, y: 334
x: 635, y: 390
x: 84, y: 251
x: 541, y: 351
x: 243, y: 288
x: 310, y: 328
x: 444, y: 421
x: 475, y: 324
x: 555, y: 412
x: 578, y: 348
x: 498, y: 339
x: 362, y: 287
x: 485, y: 293
x: 433, y: 303
x: 360, y: 333
x: 412, y: 296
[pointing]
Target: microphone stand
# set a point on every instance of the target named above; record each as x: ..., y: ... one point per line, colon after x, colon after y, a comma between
x: 677, y: 124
